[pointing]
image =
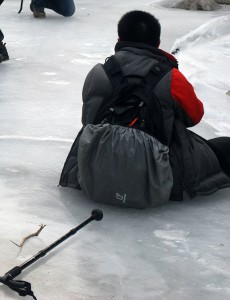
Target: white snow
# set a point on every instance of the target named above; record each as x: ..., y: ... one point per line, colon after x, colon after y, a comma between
x: 204, y: 57
x: 179, y: 251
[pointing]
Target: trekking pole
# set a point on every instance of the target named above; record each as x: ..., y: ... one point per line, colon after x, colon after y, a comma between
x: 21, y: 6
x: 23, y: 288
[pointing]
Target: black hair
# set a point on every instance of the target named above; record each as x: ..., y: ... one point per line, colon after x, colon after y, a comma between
x: 139, y: 26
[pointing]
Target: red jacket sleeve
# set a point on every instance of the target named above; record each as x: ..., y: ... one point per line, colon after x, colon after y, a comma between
x: 183, y: 93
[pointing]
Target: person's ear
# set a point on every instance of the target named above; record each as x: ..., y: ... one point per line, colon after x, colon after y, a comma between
x: 118, y: 39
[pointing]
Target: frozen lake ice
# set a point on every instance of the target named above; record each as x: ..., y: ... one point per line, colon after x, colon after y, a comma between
x: 179, y: 251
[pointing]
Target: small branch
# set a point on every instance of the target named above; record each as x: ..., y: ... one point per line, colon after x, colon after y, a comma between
x: 29, y: 236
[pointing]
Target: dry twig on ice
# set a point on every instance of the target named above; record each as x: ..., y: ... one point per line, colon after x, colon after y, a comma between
x: 29, y: 236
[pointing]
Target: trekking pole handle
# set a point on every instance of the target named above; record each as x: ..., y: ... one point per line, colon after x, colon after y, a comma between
x: 11, y: 274
x: 97, y: 215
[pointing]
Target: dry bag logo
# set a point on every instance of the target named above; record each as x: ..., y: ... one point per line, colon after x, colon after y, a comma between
x: 121, y: 198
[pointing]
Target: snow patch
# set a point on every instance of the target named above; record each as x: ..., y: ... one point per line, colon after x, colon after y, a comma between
x: 211, y: 30
x: 58, y: 82
x: 204, y: 58
x: 50, y: 73
x: 172, y: 235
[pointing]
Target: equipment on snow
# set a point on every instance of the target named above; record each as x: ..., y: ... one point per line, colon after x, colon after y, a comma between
x: 123, y: 158
x: 23, y: 288
x: 123, y: 166
x: 133, y: 102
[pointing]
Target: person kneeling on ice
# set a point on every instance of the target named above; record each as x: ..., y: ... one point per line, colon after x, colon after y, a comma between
x: 65, y: 8
x: 134, y: 148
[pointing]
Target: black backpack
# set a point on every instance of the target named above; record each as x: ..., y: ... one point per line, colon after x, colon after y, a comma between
x: 121, y: 159
x: 133, y: 103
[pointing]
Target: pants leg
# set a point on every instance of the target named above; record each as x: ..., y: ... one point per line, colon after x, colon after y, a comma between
x: 221, y: 147
x: 65, y: 8
x: 39, y: 3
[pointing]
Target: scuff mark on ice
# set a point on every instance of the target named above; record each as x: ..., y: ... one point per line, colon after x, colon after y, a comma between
x: 34, y: 138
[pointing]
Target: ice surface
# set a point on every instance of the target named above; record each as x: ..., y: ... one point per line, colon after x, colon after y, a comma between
x: 179, y: 251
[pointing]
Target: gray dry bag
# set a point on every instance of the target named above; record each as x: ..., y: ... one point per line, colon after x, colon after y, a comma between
x: 123, y: 166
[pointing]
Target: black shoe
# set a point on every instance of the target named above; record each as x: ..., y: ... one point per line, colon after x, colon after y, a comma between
x: 1, y: 36
x: 3, y: 52
x: 38, y: 11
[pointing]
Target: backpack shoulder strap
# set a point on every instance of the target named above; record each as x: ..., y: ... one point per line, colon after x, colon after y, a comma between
x: 156, y: 73
x: 113, y: 71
